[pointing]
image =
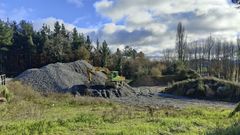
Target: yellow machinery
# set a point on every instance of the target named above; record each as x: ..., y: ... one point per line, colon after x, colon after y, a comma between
x: 113, y: 78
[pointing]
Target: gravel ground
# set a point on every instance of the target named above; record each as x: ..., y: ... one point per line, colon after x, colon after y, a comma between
x: 150, y: 96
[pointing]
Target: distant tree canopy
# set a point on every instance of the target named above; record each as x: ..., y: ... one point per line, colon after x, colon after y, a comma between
x: 212, y: 56
x: 21, y: 48
x: 6, y: 34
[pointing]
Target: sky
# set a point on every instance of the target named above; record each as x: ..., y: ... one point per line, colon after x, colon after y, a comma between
x: 146, y: 25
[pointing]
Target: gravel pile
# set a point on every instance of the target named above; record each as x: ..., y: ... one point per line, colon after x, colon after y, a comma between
x: 70, y: 77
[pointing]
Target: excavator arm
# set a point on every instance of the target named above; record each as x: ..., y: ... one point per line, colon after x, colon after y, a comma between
x: 95, y: 70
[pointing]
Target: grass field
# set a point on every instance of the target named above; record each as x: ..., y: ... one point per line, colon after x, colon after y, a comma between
x: 30, y: 113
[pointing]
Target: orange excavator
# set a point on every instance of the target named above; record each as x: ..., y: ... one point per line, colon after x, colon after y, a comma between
x: 113, y: 79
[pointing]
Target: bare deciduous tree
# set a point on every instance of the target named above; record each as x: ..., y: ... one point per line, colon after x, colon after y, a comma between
x: 181, y: 42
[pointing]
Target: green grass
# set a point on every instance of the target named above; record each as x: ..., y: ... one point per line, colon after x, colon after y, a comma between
x: 31, y: 113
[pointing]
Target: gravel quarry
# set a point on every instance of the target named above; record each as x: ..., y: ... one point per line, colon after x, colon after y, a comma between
x: 73, y: 77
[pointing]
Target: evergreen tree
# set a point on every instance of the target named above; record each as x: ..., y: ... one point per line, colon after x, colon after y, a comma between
x: 76, y: 41
x: 96, y: 55
x: 63, y: 31
x: 119, y: 60
x: 105, y: 52
x: 88, y: 44
x: 6, y: 34
x: 29, y: 48
x: 57, y: 28
x: 98, y: 44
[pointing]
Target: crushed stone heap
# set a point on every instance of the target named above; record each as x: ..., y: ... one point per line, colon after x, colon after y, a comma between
x: 70, y: 77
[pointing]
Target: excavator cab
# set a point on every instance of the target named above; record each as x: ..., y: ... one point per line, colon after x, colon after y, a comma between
x: 114, y: 80
x: 114, y: 76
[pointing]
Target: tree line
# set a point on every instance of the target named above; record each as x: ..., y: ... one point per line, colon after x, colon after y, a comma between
x: 22, y: 47
x: 211, y: 56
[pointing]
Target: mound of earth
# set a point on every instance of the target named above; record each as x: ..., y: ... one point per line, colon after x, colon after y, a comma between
x: 206, y: 88
x: 70, y: 77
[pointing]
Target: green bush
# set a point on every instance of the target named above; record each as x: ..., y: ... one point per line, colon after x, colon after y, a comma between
x: 187, y: 74
x: 174, y: 68
x: 181, y: 71
x: 206, y: 88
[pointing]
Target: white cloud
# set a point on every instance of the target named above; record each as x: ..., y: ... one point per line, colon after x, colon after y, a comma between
x: 110, y: 28
x: 78, y: 20
x: 141, y: 17
x: 16, y: 14
x: 78, y: 3
x: 20, y: 13
x: 50, y: 21
x: 102, y: 5
x: 150, y: 25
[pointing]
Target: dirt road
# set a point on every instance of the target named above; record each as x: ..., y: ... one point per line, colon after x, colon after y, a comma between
x: 151, y: 96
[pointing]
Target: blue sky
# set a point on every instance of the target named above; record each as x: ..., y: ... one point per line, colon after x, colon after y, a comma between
x: 146, y: 25
x: 82, y: 15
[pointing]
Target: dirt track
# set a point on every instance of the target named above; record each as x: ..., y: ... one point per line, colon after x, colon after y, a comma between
x: 150, y: 96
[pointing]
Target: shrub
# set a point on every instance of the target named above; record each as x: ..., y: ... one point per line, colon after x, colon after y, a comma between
x: 187, y: 74
x: 5, y: 93
x: 174, y: 68
x: 207, y: 88
x: 155, y: 71
x: 23, y: 92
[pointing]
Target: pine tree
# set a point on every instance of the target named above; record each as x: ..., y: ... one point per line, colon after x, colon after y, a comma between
x: 98, y: 44
x: 29, y: 48
x: 119, y: 60
x: 105, y: 52
x: 89, y: 44
x: 63, y: 31
x: 57, y: 28
x: 6, y: 34
x: 76, y: 41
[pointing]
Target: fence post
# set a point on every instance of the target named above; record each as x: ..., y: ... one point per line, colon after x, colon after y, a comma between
x: 3, y: 79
